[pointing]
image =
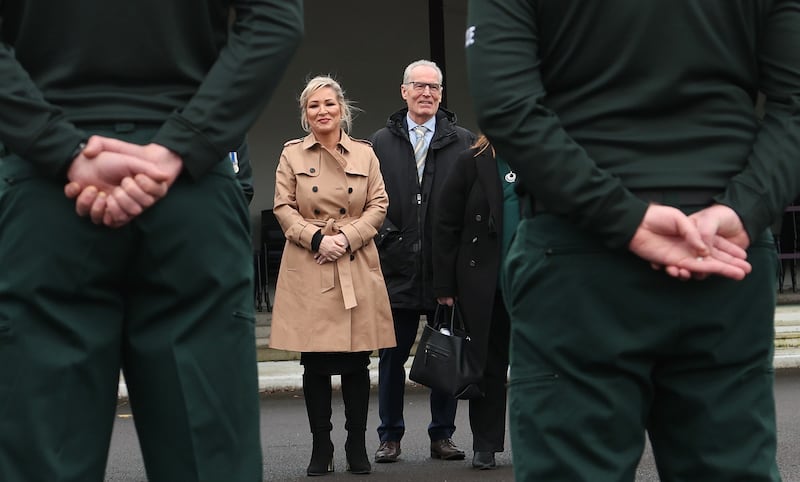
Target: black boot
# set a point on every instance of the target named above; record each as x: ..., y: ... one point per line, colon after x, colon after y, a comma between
x: 321, y: 455
x: 317, y: 393
x: 355, y: 392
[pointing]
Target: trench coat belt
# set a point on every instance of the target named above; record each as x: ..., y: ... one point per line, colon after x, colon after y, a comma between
x: 330, y: 227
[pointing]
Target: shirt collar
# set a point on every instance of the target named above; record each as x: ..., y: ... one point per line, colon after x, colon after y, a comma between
x: 430, y: 123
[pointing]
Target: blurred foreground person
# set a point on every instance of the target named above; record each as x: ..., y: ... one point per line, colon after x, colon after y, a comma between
x: 131, y: 109
x: 650, y: 186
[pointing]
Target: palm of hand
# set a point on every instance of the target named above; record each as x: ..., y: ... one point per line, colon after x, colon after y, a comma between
x: 663, y: 249
x: 668, y: 238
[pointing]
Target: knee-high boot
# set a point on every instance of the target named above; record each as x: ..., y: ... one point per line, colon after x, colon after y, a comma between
x: 317, y: 393
x: 355, y: 392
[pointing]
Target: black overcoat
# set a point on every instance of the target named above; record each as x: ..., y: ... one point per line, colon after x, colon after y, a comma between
x: 467, y: 239
x: 404, y: 239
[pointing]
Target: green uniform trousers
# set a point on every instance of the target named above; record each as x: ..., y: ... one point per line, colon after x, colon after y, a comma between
x: 604, y: 348
x: 167, y: 298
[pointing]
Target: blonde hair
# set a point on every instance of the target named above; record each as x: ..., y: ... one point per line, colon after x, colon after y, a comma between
x: 320, y: 82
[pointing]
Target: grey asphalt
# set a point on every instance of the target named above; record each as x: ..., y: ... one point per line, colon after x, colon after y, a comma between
x: 286, y: 441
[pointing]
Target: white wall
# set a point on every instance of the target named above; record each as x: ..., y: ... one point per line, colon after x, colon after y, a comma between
x: 365, y: 45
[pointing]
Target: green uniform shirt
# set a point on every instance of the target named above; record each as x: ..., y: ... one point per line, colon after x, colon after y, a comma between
x: 204, y: 83
x: 589, y: 100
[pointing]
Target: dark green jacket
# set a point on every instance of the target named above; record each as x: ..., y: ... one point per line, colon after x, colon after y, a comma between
x: 591, y: 99
x: 65, y: 65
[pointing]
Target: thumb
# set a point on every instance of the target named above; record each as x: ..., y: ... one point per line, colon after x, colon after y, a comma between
x: 94, y: 146
x: 688, y: 230
x: 152, y: 171
x: 708, y: 227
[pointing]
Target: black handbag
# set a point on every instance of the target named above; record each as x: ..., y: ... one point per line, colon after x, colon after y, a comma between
x: 445, y: 360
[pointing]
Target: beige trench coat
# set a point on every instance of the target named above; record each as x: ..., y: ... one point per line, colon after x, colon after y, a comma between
x: 341, y: 306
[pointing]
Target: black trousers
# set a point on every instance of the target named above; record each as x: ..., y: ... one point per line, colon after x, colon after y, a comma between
x: 487, y: 415
x: 318, y: 368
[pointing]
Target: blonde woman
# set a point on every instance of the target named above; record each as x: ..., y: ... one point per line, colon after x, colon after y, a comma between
x: 331, y: 302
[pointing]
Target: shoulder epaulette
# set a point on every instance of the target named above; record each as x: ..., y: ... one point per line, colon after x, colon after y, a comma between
x: 363, y: 141
x: 292, y: 141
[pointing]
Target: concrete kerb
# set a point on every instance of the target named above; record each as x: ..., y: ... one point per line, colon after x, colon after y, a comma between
x: 788, y: 359
x: 285, y: 375
x: 288, y: 375
x: 276, y: 376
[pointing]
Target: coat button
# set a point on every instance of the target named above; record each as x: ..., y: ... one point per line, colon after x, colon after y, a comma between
x: 315, y: 189
x: 474, y: 240
x: 478, y: 217
x: 472, y: 263
x: 342, y: 211
x: 312, y: 170
x: 316, y: 212
x: 350, y: 190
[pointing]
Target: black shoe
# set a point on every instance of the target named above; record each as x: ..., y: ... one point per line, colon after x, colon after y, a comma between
x: 356, y: 453
x: 483, y: 460
x: 321, y: 459
x: 445, y: 449
x: 359, y: 465
x: 388, y: 451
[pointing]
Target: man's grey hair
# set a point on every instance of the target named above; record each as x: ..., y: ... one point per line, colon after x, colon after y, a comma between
x: 420, y: 63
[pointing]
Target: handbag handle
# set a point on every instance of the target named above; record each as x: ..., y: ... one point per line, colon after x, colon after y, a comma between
x: 451, y: 323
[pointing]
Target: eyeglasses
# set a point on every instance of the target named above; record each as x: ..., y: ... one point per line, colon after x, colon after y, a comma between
x: 420, y: 86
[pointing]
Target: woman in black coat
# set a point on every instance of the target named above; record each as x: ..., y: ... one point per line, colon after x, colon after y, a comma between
x: 476, y: 216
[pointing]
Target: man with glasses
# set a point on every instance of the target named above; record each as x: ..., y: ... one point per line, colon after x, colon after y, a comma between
x: 632, y: 127
x: 416, y: 149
